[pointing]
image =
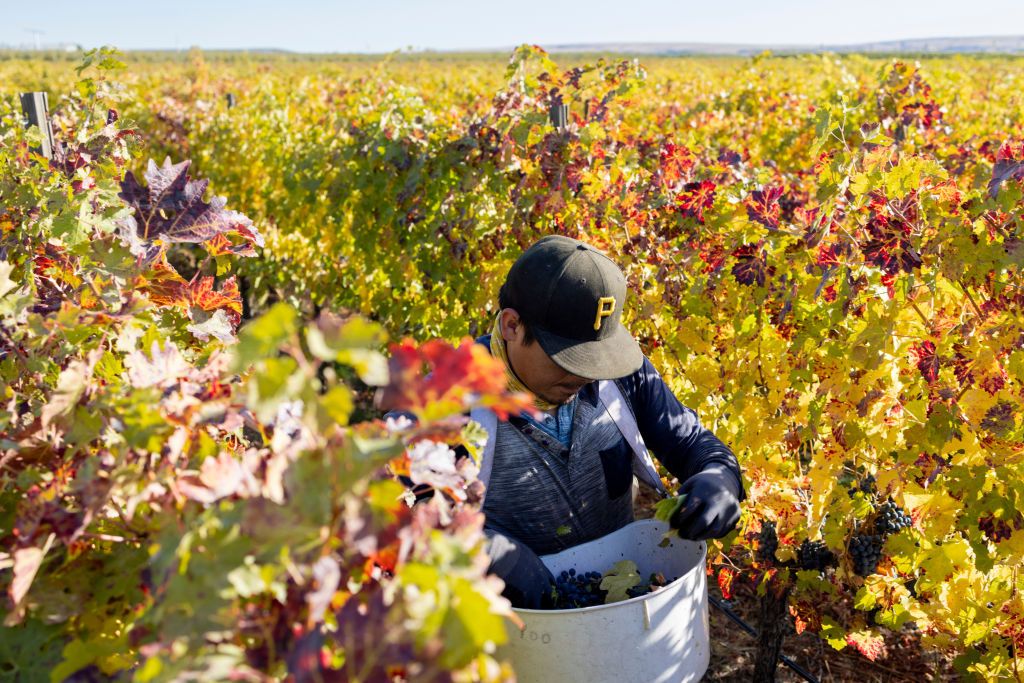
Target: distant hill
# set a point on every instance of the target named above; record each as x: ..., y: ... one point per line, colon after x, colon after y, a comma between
x: 978, y: 44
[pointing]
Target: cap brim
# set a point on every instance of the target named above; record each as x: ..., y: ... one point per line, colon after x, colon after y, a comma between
x: 614, y: 356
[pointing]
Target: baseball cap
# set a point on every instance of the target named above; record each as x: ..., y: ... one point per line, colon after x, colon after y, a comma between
x: 571, y: 295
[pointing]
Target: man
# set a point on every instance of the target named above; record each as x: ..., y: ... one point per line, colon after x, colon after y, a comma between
x: 567, y: 477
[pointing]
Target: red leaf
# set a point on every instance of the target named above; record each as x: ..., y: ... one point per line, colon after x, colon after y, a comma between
x: 435, y: 373
x: 676, y: 163
x: 725, y: 579
x: 382, y: 563
x: 164, y: 286
x: 763, y: 207
x: 806, y: 616
x: 871, y: 646
x: 696, y: 198
x: 202, y: 295
x: 711, y: 254
x: 925, y: 359
x: 889, y: 246
x: 828, y: 255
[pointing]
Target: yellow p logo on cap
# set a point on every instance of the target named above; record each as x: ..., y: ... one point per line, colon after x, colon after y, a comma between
x: 605, y: 307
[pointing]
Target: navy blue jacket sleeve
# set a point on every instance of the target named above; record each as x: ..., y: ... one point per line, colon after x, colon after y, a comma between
x: 673, y: 432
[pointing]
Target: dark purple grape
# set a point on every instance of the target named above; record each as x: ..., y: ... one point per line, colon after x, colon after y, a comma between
x: 767, y: 542
x: 891, y: 518
x: 814, y: 555
x: 866, y: 551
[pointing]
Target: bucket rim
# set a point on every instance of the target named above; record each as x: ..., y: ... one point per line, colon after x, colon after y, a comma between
x: 699, y: 565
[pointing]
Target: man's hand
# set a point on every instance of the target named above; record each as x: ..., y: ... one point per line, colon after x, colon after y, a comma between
x: 712, y: 505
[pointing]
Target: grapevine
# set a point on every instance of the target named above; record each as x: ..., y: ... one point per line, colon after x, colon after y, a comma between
x: 824, y: 262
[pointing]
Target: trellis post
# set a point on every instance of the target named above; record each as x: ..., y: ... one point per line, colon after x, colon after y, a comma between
x: 36, y: 107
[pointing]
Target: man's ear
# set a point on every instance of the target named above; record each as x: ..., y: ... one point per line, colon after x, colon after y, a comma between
x: 510, y: 325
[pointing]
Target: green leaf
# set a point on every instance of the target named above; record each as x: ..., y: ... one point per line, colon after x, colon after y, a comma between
x: 619, y: 579
x: 276, y: 380
x: 337, y: 405
x: 822, y: 129
x: 29, y: 651
x: 353, y: 342
x: 668, y: 507
x: 70, y: 387
x: 895, y: 617
x: 470, y: 626
x: 261, y: 338
x: 371, y: 366
x: 865, y: 599
x: 832, y: 633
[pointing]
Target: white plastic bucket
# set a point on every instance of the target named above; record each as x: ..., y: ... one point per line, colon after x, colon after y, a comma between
x: 660, y: 637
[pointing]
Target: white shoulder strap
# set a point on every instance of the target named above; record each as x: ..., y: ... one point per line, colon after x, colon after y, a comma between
x: 615, y: 403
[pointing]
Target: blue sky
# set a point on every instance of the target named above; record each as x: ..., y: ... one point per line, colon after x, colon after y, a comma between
x: 385, y: 25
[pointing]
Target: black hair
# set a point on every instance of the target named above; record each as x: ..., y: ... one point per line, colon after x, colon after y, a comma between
x: 505, y: 301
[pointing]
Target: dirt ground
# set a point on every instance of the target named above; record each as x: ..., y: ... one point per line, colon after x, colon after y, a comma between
x: 733, y: 652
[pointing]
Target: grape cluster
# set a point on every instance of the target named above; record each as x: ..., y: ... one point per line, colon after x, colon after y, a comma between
x: 573, y: 590
x: 767, y: 542
x: 866, y: 551
x: 866, y: 486
x: 654, y: 582
x: 814, y: 555
x: 995, y: 530
x: 891, y: 518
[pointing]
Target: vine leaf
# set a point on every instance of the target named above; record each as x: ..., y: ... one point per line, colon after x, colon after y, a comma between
x: 202, y: 295
x: 26, y: 563
x: 165, y: 287
x: 458, y: 379
x: 751, y: 265
x: 668, y: 507
x: 217, y: 325
x: 725, y: 579
x: 869, y: 644
x: 162, y: 368
x: 171, y: 209
x: 619, y: 579
x: 926, y: 360
x: 1006, y: 168
x: 665, y: 510
x: 72, y: 384
x: 763, y: 207
x: 696, y: 198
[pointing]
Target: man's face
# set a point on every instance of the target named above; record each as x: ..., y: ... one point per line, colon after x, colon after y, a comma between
x: 535, y: 368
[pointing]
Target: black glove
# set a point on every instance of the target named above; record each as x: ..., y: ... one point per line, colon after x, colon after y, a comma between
x: 712, y: 505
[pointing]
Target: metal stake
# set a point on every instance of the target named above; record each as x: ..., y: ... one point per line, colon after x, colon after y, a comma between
x: 36, y: 107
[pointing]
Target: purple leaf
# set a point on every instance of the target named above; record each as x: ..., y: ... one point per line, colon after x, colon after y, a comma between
x: 1004, y: 170
x: 172, y: 209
